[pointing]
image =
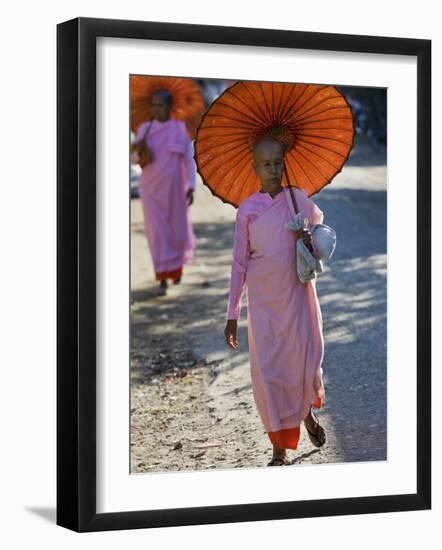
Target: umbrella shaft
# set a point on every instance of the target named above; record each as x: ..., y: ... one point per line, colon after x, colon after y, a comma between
x: 292, y: 195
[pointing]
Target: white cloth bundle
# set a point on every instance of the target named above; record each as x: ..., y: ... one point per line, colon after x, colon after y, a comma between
x: 324, y: 244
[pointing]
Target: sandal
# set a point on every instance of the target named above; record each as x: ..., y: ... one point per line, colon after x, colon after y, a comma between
x: 162, y: 289
x: 276, y: 461
x: 313, y: 436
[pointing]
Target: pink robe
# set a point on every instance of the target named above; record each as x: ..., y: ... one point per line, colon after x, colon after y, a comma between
x: 286, y: 345
x: 163, y: 186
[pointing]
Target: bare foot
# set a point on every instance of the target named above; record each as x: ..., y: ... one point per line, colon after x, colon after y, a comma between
x: 279, y: 457
x: 162, y: 290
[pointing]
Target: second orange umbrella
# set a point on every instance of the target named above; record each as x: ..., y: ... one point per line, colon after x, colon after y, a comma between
x: 187, y: 100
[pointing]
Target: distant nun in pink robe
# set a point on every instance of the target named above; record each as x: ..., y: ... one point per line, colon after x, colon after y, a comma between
x: 286, y: 344
x: 163, y: 186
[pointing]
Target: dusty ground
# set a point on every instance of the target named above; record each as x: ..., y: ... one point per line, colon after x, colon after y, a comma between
x: 191, y: 400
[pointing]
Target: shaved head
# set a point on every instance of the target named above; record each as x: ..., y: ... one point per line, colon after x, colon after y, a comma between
x: 268, y: 163
x: 266, y: 143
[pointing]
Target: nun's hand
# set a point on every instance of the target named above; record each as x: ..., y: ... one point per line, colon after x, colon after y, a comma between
x: 189, y: 197
x: 306, y: 236
x: 230, y: 333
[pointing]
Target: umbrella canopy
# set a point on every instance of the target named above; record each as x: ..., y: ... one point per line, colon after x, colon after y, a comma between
x: 314, y: 123
x: 188, y: 102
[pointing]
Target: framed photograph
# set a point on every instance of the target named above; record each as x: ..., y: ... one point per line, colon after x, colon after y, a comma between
x: 244, y: 274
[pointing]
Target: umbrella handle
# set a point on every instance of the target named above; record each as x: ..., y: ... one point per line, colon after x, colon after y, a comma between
x: 292, y: 195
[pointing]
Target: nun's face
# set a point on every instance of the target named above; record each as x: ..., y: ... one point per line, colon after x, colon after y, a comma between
x: 160, y: 109
x: 268, y: 163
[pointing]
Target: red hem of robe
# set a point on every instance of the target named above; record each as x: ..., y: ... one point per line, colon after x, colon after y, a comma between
x: 289, y: 438
x: 169, y: 274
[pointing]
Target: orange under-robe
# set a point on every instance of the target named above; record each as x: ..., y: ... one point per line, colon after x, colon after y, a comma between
x: 174, y: 275
x: 289, y: 438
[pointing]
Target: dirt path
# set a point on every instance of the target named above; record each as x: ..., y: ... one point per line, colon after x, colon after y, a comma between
x: 191, y: 400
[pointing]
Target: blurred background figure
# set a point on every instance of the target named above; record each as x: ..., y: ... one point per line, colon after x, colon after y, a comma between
x: 167, y: 183
x: 135, y: 173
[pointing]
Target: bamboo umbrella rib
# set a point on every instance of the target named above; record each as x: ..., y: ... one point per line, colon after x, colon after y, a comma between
x: 301, y: 118
x: 298, y: 117
x: 237, y: 149
x: 236, y: 122
x: 239, y: 99
x: 208, y: 148
x: 294, y: 107
x: 223, y: 140
x: 237, y: 129
x: 241, y: 134
x: 231, y: 178
x: 316, y: 154
x: 289, y: 97
x: 282, y: 107
x: 254, y: 178
x: 264, y: 99
x: 297, y: 124
x: 237, y: 116
x: 236, y: 110
x: 257, y: 105
x: 209, y: 144
x: 342, y: 140
x: 295, y: 160
x: 219, y: 160
x: 327, y: 129
x: 258, y: 115
x: 311, y: 117
x: 243, y: 122
x: 290, y: 105
x: 281, y: 88
x: 321, y: 147
x: 227, y: 172
x: 223, y: 143
x: 273, y: 104
x: 249, y: 166
x: 317, y: 91
x: 346, y: 130
x: 294, y: 103
x: 317, y: 102
x: 322, y: 158
x: 327, y: 138
x: 312, y: 164
x: 289, y: 167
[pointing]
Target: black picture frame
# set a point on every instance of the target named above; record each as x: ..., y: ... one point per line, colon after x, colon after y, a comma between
x: 76, y: 273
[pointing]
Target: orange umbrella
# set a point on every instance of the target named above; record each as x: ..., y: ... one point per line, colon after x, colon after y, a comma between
x: 188, y: 102
x: 314, y: 123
